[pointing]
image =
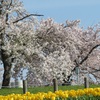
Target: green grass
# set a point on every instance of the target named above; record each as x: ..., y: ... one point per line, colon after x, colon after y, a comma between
x: 7, y: 91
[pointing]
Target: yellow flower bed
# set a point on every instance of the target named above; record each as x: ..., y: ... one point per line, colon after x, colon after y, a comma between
x: 58, y: 95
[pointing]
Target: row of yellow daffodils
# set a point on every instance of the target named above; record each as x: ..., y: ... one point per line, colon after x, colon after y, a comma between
x: 58, y: 95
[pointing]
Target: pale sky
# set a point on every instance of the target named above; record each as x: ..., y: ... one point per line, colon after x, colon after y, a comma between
x: 61, y: 10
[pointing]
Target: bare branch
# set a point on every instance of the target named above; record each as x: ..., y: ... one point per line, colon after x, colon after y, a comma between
x: 11, y: 3
x: 85, y: 58
x: 2, y: 29
x: 97, y: 70
x: 26, y: 17
x: 95, y: 75
x: 6, y: 18
x: 93, y: 68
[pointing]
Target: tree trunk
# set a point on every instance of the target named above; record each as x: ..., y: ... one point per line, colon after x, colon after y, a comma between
x: 7, y: 69
x: 6, y: 76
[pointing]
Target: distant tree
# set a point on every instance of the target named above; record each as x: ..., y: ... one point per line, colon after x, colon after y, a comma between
x: 91, y: 43
x: 93, y: 64
x: 63, y: 48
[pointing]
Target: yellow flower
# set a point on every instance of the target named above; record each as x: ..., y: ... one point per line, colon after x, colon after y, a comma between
x: 72, y: 93
x: 80, y: 92
x: 53, y: 98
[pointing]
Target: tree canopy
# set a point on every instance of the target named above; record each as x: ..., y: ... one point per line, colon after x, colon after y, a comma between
x: 46, y: 48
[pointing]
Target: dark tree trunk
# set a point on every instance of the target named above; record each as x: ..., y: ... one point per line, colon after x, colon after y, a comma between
x: 7, y: 69
x: 83, y: 60
x: 6, y: 76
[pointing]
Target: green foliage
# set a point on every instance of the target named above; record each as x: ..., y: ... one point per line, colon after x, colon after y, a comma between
x: 7, y: 91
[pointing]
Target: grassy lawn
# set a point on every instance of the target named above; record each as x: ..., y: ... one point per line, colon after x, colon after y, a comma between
x: 7, y: 91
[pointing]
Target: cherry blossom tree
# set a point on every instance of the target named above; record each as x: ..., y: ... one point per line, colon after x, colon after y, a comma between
x: 47, y: 49
x: 63, y: 48
x: 88, y: 58
x: 16, y: 31
x: 92, y: 65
